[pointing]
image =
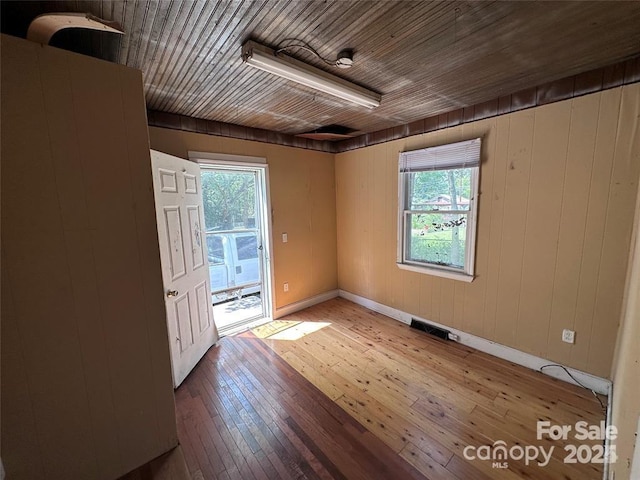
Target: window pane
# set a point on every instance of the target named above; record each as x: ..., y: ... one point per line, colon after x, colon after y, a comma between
x: 229, y: 199
x: 437, y: 238
x: 215, y: 249
x: 247, y: 247
x: 440, y: 189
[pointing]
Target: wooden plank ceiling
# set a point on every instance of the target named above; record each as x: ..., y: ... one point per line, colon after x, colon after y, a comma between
x: 424, y: 57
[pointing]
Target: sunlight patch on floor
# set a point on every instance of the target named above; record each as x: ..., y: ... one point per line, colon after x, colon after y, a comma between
x: 271, y: 328
x: 288, y: 330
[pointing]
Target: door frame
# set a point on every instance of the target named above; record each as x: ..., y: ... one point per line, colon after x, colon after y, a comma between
x: 259, y: 164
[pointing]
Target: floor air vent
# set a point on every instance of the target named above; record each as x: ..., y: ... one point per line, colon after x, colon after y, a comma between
x: 430, y: 329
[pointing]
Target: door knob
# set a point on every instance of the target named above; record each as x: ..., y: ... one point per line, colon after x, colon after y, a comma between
x: 172, y: 293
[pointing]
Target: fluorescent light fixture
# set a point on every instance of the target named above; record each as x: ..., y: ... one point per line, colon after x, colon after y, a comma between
x: 264, y: 58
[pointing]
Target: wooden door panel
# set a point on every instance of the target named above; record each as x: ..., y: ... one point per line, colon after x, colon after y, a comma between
x: 168, y: 180
x: 173, y: 228
x: 184, y: 322
x: 190, y: 183
x: 197, y: 241
x: 203, y: 299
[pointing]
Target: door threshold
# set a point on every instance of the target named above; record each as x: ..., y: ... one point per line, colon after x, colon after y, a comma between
x: 244, y: 326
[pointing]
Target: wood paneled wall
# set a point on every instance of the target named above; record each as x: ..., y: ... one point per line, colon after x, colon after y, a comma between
x: 558, y: 186
x: 303, y: 204
x: 86, y: 375
x: 626, y: 367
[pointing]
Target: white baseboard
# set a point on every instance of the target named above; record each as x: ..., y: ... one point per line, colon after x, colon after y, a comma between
x: 597, y: 384
x: 306, y: 303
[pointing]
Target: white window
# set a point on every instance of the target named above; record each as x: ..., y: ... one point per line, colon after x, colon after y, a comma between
x: 437, y: 209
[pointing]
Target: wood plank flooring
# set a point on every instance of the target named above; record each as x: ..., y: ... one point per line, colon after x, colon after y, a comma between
x: 343, y: 392
x: 170, y: 466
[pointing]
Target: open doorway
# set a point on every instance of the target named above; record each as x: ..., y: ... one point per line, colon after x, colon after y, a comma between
x: 236, y: 216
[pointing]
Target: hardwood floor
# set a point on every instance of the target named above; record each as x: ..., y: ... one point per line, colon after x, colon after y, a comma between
x: 338, y: 391
x: 170, y: 466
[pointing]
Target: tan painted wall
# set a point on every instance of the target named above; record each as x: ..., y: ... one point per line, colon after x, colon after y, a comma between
x: 626, y: 365
x: 86, y: 375
x: 303, y: 204
x: 558, y: 186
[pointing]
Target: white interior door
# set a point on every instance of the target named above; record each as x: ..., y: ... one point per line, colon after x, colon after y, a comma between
x: 183, y: 253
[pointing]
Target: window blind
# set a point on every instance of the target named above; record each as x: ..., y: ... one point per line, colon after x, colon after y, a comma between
x: 443, y: 157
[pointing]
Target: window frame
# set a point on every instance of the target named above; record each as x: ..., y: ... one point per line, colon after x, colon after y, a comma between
x: 466, y: 274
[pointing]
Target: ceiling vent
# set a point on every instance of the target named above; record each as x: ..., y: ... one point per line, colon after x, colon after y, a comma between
x: 329, y: 132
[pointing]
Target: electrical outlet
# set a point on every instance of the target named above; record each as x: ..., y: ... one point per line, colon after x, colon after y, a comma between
x: 568, y: 336
x: 286, y: 286
x: 285, y: 238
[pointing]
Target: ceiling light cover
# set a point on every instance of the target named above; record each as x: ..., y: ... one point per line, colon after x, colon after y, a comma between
x: 264, y: 58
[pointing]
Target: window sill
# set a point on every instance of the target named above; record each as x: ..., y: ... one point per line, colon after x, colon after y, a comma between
x: 463, y: 277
